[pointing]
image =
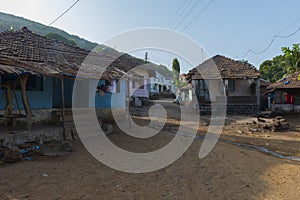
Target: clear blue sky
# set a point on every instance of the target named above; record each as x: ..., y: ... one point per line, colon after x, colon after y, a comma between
x: 227, y: 27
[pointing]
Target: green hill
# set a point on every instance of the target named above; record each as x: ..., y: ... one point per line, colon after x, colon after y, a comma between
x: 7, y: 21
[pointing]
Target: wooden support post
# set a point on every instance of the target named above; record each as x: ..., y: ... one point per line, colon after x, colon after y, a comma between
x: 8, y: 99
x: 23, y: 80
x: 257, y: 90
x: 128, y: 101
x: 226, y: 85
x: 9, y: 106
x: 63, y: 106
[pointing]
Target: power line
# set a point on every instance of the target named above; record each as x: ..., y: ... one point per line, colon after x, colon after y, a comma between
x: 182, y: 16
x: 64, y: 13
x: 194, y: 6
x: 270, y: 44
x: 179, y: 10
x: 182, y: 9
x: 272, y: 40
x: 202, y: 11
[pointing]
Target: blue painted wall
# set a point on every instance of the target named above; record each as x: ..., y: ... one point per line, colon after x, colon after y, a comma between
x: 51, y: 97
x: 109, y: 100
x: 36, y: 99
x: 57, y: 96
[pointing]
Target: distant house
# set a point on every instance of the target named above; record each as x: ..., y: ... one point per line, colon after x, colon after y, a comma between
x: 37, y: 76
x: 160, y: 82
x: 241, y: 80
x: 186, y: 94
x: 285, y: 93
x: 182, y: 77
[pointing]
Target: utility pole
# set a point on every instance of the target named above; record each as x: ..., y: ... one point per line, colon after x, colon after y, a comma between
x: 146, y: 57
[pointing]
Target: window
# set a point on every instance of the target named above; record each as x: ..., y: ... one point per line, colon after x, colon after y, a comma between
x: 231, y: 85
x: 35, y: 83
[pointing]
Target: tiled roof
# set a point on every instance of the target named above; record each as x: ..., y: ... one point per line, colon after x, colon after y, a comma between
x: 24, y: 50
x: 227, y: 68
x: 291, y: 81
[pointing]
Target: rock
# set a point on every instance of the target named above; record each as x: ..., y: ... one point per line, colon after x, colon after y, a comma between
x: 276, y: 124
x: 278, y: 117
x: 12, y: 154
x: 253, y: 130
x: 261, y: 120
x: 240, y: 132
x: 285, y: 125
x: 254, y: 122
x: 205, y: 124
x: 66, y: 146
x: 267, y: 126
x: 282, y: 120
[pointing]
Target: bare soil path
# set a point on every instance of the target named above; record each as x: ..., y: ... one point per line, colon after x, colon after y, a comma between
x: 228, y: 172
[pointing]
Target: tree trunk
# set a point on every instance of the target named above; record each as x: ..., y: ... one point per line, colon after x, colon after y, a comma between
x: 23, y: 80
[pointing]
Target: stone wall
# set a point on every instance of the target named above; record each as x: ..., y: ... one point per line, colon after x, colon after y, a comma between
x: 40, y: 135
x: 241, y: 109
x: 285, y: 107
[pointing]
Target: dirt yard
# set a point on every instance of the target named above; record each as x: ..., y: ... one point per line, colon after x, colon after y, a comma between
x: 228, y: 172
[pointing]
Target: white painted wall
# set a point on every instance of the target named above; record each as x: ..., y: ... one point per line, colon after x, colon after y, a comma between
x: 159, y: 79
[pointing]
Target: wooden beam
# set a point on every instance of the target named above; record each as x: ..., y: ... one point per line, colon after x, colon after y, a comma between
x: 63, y: 106
x: 23, y: 80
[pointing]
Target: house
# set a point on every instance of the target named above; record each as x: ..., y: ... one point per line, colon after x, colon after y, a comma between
x: 38, y: 74
x: 182, y: 77
x: 284, y: 95
x: 186, y: 94
x: 241, y: 81
x: 160, y: 82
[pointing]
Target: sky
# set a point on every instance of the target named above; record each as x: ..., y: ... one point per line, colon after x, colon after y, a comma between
x: 227, y: 27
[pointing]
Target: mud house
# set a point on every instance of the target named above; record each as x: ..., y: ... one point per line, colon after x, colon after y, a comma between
x: 241, y: 81
x: 38, y: 75
x: 284, y: 95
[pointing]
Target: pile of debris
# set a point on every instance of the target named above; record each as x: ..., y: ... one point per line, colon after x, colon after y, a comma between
x: 31, y: 151
x: 277, y: 124
x: 18, y: 153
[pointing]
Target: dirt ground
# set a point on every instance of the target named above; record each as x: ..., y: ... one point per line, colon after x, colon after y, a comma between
x: 228, y: 172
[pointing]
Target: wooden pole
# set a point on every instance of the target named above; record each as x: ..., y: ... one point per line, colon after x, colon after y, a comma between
x: 258, y: 94
x: 63, y: 106
x: 8, y: 98
x: 128, y: 101
x: 9, y: 105
x: 23, y: 80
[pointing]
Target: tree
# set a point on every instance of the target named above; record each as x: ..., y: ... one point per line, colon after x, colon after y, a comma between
x: 273, y: 70
x: 281, y: 65
x: 292, y: 58
x: 176, y: 72
x: 58, y: 37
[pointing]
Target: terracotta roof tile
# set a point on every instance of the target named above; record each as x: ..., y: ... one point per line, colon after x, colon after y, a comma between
x: 25, y: 50
x: 227, y: 68
x: 291, y: 81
